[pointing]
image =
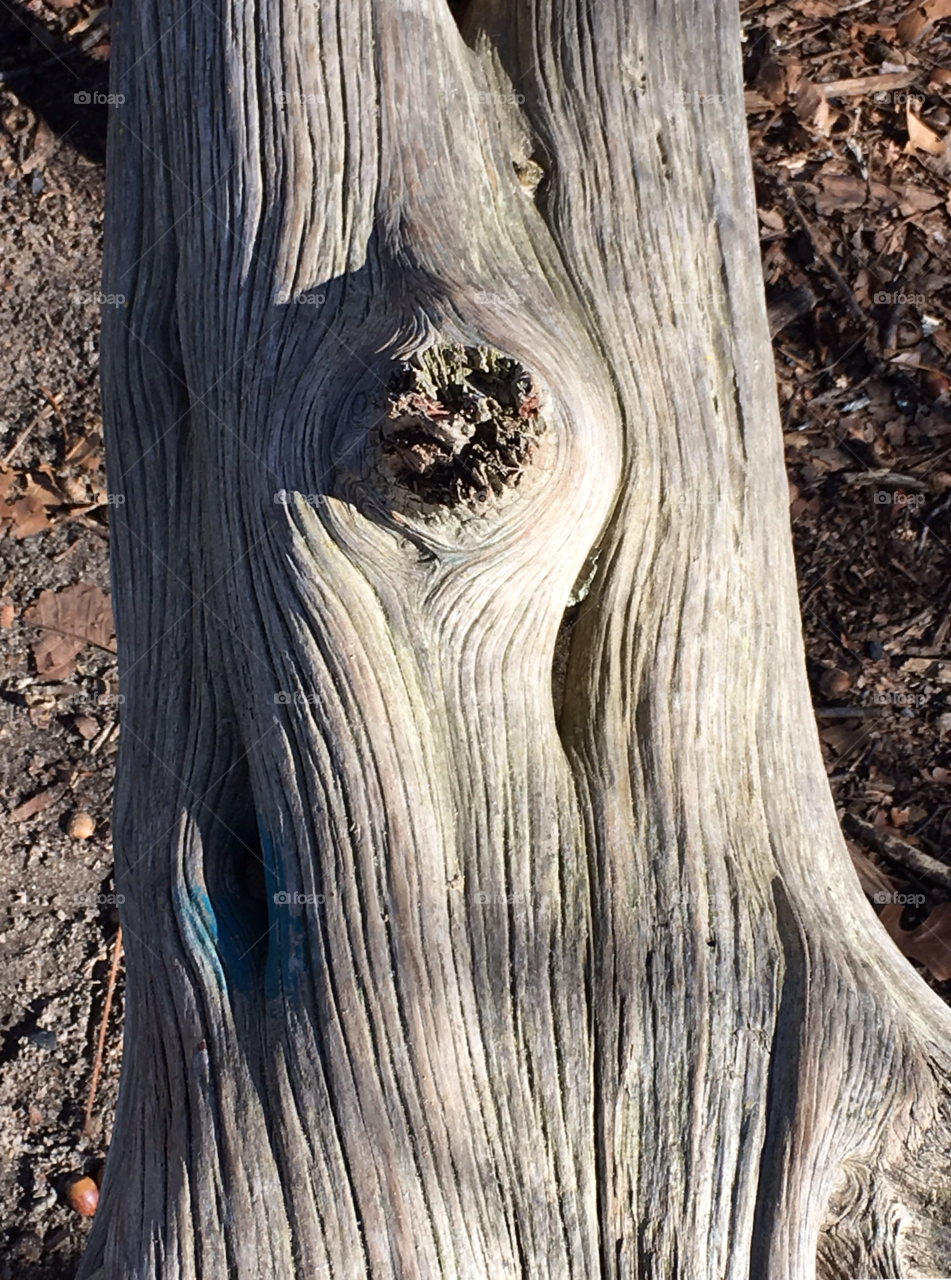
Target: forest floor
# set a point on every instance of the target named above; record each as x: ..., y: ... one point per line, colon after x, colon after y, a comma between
x: 849, y: 107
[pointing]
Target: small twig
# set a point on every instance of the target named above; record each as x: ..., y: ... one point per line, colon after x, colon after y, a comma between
x: 898, y: 851
x: 884, y: 476
x: 19, y: 440
x: 103, y: 1028
x: 74, y: 635
x: 57, y: 410
x: 868, y: 84
x: 825, y: 258
x: 846, y: 713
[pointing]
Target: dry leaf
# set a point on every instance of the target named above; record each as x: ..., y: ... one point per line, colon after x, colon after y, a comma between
x: 70, y: 619
x: 812, y: 107
x: 36, y: 804
x: 911, y: 25
x: 915, y: 199
x: 841, y: 739
x: 754, y: 103
x: 771, y: 82
x: 29, y: 516
x: 41, y: 148
x: 772, y: 219
x: 929, y: 944
x: 41, y: 485
x: 921, y: 137
x: 921, y: 16
x: 29, y: 512
x: 873, y: 879
x: 840, y: 192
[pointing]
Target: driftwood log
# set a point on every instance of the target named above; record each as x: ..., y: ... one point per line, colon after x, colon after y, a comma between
x: 487, y: 913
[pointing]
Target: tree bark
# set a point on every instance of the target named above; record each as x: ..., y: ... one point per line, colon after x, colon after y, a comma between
x: 486, y: 910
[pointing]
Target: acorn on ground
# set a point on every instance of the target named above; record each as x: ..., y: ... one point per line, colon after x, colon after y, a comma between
x: 82, y: 1194
x: 81, y: 826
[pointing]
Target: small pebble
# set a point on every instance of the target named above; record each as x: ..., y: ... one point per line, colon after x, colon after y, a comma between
x: 876, y: 650
x: 81, y: 826
x: 45, y: 1039
x: 82, y: 1194
x: 29, y: 1247
x: 86, y: 727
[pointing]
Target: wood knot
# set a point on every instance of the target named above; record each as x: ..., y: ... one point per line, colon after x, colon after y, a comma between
x: 460, y: 425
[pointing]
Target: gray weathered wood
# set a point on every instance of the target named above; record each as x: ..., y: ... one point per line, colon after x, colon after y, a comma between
x: 583, y: 983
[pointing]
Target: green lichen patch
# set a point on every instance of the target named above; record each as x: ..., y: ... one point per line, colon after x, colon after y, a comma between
x: 460, y: 426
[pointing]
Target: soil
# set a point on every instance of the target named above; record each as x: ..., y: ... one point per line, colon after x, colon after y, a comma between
x: 853, y: 193
x: 57, y: 736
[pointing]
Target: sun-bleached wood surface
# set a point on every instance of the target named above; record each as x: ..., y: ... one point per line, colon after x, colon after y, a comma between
x: 486, y: 911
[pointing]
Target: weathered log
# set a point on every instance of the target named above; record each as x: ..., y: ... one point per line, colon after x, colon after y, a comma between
x: 486, y: 910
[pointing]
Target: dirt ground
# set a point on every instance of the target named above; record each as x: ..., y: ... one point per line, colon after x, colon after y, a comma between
x: 853, y: 193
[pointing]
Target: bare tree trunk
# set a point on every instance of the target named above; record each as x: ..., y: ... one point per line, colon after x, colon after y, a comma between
x: 487, y: 914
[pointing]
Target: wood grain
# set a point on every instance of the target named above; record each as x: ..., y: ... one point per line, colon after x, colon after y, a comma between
x: 428, y: 976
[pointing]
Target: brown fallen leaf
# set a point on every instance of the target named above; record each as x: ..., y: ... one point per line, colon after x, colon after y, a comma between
x: 70, y: 619
x: 811, y: 106
x: 771, y: 82
x: 912, y: 25
x: 921, y: 137
x: 872, y: 877
x: 754, y: 103
x: 29, y: 516
x: 36, y: 804
x: 841, y: 739
x: 929, y: 944
x: 839, y: 191
x: 29, y: 512
x: 41, y: 148
x: 915, y: 199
